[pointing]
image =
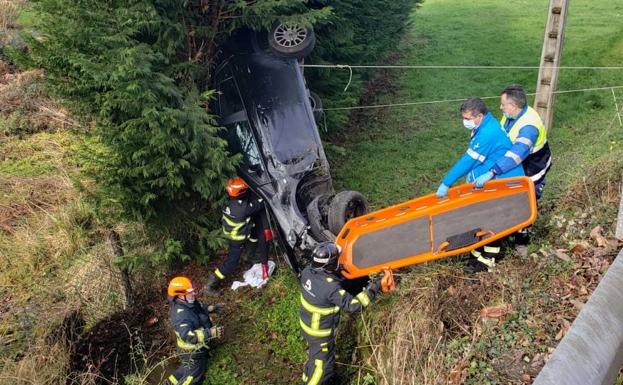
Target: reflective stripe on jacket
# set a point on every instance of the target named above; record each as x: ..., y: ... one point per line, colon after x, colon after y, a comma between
x: 529, y: 118
x: 488, y: 143
x: 237, y: 213
x: 322, y: 298
x: 191, y: 324
x: 538, y: 162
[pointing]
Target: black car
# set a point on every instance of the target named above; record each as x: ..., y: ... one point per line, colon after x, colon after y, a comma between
x: 266, y: 108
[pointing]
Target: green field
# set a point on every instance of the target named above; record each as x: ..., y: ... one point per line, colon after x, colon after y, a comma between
x: 391, y: 154
x: 406, y: 150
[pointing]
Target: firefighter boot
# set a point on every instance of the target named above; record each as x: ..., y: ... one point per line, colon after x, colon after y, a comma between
x: 210, y: 288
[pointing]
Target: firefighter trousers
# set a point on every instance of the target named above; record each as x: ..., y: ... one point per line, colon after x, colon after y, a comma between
x: 255, y: 243
x: 320, y: 365
x: 192, y: 368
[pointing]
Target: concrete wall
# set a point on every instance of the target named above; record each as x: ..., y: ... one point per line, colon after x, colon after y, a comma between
x: 591, y: 353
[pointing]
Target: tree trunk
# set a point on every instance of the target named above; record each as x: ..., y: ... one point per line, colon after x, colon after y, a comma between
x: 126, y: 284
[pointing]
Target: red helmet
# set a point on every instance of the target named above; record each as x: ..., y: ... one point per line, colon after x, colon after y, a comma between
x: 180, y: 286
x: 236, y: 187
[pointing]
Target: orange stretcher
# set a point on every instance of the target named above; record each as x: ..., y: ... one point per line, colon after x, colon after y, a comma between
x: 428, y: 228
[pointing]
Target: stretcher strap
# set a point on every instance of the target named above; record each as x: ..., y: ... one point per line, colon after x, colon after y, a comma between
x: 467, y: 238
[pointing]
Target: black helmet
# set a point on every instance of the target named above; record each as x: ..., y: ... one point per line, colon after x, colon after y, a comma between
x: 325, y: 256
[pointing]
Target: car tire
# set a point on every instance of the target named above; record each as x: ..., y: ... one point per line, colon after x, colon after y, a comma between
x: 316, y: 105
x: 291, y: 41
x: 319, y: 232
x: 346, y: 205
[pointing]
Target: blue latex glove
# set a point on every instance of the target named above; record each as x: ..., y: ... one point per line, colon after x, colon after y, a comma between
x: 442, y: 191
x: 480, y: 181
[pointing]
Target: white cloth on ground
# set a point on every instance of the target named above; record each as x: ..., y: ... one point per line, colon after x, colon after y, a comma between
x: 253, y: 276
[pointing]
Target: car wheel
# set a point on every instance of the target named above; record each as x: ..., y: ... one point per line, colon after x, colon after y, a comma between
x: 316, y: 105
x: 319, y: 232
x: 344, y: 206
x: 291, y: 40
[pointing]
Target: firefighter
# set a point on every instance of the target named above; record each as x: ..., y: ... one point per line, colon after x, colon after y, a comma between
x: 244, y: 223
x: 487, y: 145
x: 322, y: 299
x: 193, y: 328
x: 530, y: 148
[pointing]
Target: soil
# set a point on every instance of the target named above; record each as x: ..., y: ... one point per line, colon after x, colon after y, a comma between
x: 383, y: 83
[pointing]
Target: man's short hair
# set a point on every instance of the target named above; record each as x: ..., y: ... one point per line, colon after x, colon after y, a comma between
x: 475, y: 106
x: 516, y: 94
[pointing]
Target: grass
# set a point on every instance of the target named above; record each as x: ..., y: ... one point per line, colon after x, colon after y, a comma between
x: 405, y: 151
x: 55, y: 258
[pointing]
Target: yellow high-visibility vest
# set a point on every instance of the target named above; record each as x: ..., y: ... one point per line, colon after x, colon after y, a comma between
x: 529, y: 118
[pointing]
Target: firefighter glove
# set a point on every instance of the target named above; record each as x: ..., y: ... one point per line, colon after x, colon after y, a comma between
x: 216, y: 331
x: 216, y: 308
x: 375, y: 283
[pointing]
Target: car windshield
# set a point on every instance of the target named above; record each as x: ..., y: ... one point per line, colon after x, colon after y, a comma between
x: 274, y: 92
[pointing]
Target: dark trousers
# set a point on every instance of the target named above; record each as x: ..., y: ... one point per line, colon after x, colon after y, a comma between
x: 192, y: 369
x: 320, y: 365
x: 255, y: 243
x: 486, y: 256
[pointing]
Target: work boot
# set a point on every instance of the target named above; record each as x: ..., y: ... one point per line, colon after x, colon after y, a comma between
x: 478, y: 265
x: 210, y: 288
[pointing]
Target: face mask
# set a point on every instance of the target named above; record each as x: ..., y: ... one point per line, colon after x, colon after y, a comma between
x: 469, y: 124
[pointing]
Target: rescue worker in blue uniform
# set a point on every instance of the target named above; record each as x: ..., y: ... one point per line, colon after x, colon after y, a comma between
x: 530, y: 147
x: 487, y: 145
x: 322, y: 299
x: 193, y: 329
x: 245, y: 225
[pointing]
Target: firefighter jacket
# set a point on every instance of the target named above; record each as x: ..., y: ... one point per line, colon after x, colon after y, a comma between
x: 191, y: 323
x: 322, y: 298
x: 237, y: 215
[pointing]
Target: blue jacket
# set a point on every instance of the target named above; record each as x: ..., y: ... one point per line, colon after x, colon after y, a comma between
x: 520, y: 150
x: 489, y: 143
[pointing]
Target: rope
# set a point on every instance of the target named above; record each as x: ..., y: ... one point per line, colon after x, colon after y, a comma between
x: 467, y: 67
x: 460, y: 100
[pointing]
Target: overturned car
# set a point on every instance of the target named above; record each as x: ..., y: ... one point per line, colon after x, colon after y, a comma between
x: 268, y: 113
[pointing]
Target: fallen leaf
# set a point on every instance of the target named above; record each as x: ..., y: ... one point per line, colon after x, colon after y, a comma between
x: 525, y: 377
x: 452, y: 291
x: 496, y: 311
x: 151, y: 321
x: 578, y: 304
x: 458, y: 374
x: 599, y: 239
x: 560, y: 253
x: 583, y: 290
x: 579, y: 248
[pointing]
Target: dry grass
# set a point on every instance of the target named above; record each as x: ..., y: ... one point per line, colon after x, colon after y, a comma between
x: 43, y: 365
x: 25, y: 107
x: 406, y: 339
x: 601, y: 184
x: 9, y: 11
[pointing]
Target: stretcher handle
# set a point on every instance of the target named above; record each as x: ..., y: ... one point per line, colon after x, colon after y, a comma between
x: 482, y: 233
x: 479, y: 234
x: 443, y: 246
